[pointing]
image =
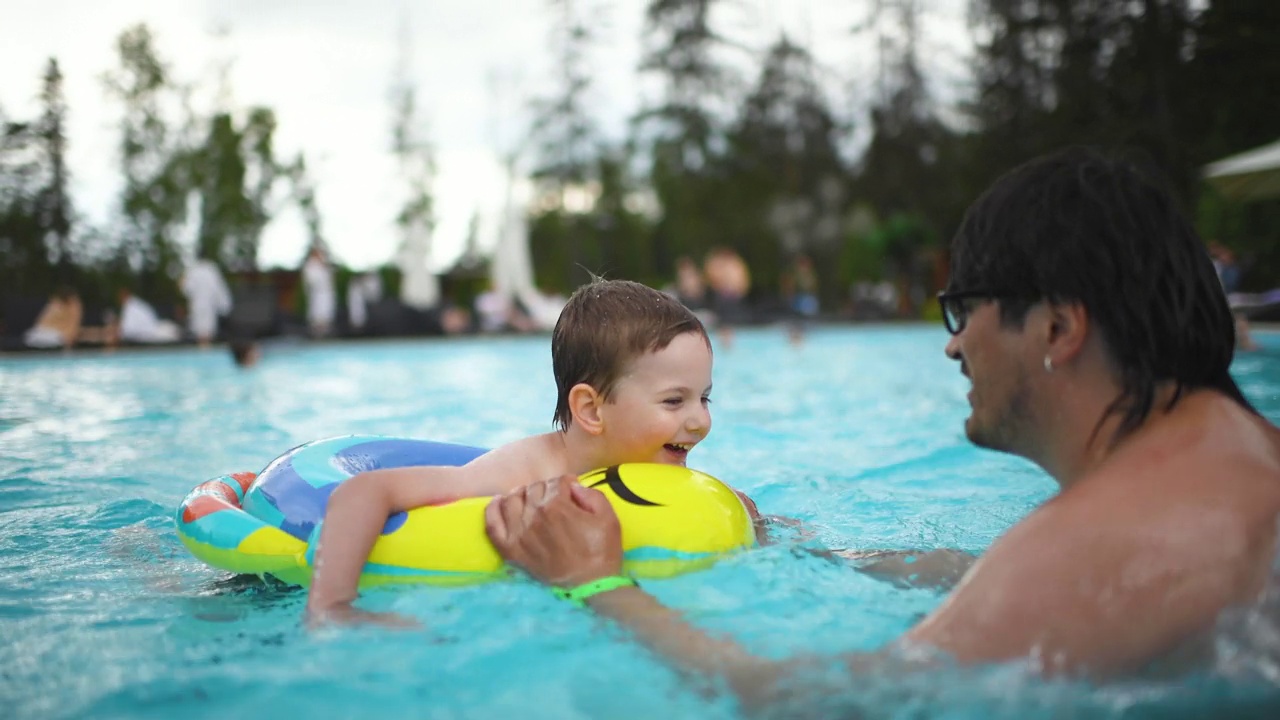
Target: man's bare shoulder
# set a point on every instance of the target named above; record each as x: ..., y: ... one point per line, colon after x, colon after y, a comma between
x: 1205, y: 436
x: 1186, y: 509
x: 1206, y: 473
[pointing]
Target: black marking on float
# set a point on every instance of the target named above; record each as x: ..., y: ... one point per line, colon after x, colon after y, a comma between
x: 613, y: 478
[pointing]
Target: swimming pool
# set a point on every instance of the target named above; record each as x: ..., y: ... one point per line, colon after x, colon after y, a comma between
x: 858, y: 432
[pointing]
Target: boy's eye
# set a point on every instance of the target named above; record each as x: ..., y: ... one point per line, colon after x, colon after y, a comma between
x: 706, y: 400
x: 673, y: 401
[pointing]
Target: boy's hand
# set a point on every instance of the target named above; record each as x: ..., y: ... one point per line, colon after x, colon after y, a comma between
x: 757, y: 520
x: 750, y: 504
x: 558, y: 531
x: 345, y: 614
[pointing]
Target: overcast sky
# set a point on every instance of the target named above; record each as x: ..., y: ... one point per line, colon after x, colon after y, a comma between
x: 326, y: 67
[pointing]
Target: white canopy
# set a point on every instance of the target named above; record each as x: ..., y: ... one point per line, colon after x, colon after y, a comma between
x: 1251, y: 175
x: 511, y: 270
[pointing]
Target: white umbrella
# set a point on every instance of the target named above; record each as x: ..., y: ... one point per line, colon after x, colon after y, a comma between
x: 1252, y: 175
x: 512, y: 268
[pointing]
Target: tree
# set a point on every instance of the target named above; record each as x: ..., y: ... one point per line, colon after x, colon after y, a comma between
x: 37, y: 248
x: 24, y: 260
x: 784, y: 182
x: 682, y: 53
x: 564, y: 134
x: 1234, y: 108
x: 234, y: 173
x: 620, y: 222
x: 53, y: 205
x: 1058, y: 72
x: 910, y: 150
x: 415, y: 159
x: 684, y: 132
x: 230, y: 169
x: 303, y: 192
x: 156, y: 161
x: 566, y: 144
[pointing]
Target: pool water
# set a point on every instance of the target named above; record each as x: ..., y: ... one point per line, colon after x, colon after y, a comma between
x: 857, y: 433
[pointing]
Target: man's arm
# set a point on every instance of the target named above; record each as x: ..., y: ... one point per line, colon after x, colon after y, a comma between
x: 1087, y: 587
x: 1055, y: 588
x: 564, y: 534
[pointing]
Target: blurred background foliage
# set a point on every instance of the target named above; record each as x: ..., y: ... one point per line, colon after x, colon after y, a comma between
x: 761, y: 161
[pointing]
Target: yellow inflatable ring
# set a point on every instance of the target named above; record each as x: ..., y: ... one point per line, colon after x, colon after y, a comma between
x: 673, y: 519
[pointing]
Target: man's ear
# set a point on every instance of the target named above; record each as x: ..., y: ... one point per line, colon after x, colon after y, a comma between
x: 584, y: 405
x: 1067, y: 331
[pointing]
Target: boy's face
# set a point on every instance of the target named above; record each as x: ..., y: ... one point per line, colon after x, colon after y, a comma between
x: 659, y: 407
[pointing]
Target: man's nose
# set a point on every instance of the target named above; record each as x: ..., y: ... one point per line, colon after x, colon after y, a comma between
x: 953, y: 347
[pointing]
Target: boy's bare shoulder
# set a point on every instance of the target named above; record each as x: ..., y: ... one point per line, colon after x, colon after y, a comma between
x: 527, y: 460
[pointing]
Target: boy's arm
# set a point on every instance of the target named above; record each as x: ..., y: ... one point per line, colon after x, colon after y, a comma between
x: 359, y: 508
x: 937, y: 569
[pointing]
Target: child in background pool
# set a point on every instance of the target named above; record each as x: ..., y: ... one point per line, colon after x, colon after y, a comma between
x: 633, y: 379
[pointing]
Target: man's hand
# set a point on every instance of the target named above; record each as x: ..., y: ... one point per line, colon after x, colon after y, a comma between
x: 558, y: 531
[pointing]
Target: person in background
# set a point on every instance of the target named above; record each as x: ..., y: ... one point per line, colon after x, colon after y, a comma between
x: 730, y: 280
x: 1224, y: 261
x: 58, y: 325
x: 208, y: 298
x: 322, y: 303
x: 139, y: 322
x: 691, y: 289
x: 362, y: 291
x: 800, y: 289
x: 244, y: 352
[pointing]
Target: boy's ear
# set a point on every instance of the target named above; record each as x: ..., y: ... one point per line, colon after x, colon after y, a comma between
x: 584, y: 405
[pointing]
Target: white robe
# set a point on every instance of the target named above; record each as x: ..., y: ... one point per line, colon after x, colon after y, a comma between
x: 321, y: 299
x: 207, y: 298
x: 139, y: 323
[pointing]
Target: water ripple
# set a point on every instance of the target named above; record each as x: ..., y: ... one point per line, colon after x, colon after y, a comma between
x: 857, y: 435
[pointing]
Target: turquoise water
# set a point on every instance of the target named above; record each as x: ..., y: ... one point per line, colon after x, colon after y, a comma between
x: 858, y: 433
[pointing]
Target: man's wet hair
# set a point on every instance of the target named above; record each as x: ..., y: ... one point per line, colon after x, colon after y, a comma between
x: 1104, y: 230
x: 605, y: 325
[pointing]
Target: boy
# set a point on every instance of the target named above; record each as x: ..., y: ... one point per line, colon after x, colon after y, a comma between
x: 633, y: 378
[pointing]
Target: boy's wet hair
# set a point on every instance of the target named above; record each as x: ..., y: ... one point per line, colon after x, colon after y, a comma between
x: 607, y: 324
x: 1081, y: 226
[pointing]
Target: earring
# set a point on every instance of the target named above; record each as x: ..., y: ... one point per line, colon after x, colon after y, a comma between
x: 1048, y: 364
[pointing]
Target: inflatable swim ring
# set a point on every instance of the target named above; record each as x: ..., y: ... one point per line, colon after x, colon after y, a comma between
x: 673, y: 519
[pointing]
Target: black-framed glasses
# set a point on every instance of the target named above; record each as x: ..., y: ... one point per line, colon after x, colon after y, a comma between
x: 956, y: 306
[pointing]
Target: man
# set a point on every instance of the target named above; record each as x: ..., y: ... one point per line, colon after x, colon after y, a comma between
x: 1097, y: 338
x: 317, y: 275
x: 208, y: 298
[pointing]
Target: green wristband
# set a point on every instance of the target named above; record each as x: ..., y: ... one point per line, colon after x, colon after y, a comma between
x: 578, y: 595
